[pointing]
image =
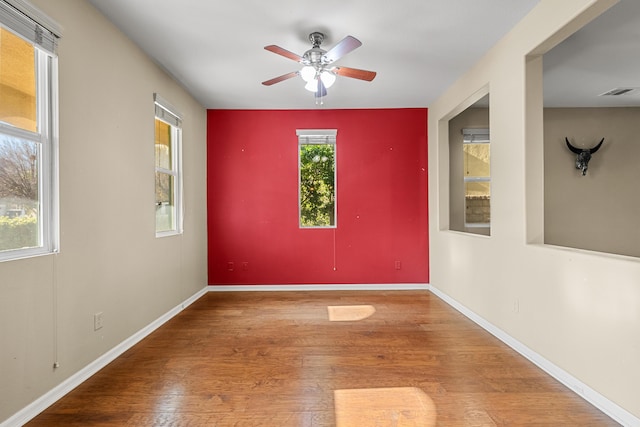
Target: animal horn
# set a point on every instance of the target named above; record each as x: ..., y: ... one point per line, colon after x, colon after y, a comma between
x: 574, y: 149
x: 597, y: 147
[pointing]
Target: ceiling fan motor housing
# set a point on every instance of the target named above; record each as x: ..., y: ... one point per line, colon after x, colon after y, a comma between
x: 315, y: 55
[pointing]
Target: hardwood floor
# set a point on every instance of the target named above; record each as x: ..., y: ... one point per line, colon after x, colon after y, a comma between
x: 275, y: 359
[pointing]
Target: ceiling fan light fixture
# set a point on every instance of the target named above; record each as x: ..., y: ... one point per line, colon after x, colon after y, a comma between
x: 328, y: 78
x: 308, y: 73
x: 312, y: 85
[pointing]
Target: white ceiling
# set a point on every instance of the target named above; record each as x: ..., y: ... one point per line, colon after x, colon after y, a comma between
x: 215, y: 48
x: 603, y: 55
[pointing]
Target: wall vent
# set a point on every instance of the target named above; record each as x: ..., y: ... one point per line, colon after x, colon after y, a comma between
x: 620, y: 91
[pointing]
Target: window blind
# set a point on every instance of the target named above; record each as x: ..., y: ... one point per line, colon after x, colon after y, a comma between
x: 167, y: 112
x: 476, y: 136
x: 317, y: 136
x: 30, y: 23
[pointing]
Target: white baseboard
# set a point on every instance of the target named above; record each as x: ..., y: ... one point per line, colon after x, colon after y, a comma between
x: 619, y: 414
x: 328, y: 287
x: 33, y: 409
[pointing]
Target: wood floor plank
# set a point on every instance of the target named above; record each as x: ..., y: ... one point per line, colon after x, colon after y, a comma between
x: 276, y: 359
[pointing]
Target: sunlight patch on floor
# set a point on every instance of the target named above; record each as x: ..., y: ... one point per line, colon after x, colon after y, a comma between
x: 384, y: 407
x: 349, y: 313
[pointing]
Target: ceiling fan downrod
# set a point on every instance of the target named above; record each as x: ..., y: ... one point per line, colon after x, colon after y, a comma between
x: 316, y: 38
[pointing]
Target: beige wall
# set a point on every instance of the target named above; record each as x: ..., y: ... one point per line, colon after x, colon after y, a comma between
x: 580, y: 310
x: 598, y: 211
x: 110, y: 260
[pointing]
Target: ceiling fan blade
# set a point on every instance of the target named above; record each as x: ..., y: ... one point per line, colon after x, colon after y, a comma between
x: 322, y: 90
x: 284, y: 52
x: 280, y: 78
x: 355, y: 73
x: 343, y: 47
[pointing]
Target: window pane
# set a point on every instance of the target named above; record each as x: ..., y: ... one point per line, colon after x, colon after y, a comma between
x: 165, y: 206
x: 19, y: 207
x: 17, y: 82
x: 477, y: 202
x: 163, y: 145
x: 317, y: 185
x: 476, y: 160
x: 477, y: 189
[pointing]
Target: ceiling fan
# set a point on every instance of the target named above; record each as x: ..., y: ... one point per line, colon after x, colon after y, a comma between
x: 318, y: 70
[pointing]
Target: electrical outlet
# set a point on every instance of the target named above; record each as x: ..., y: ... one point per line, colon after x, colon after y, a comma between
x: 245, y: 266
x: 398, y: 265
x: 230, y: 266
x: 97, y: 321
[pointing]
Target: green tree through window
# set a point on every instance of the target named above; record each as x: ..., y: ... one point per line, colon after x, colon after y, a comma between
x: 317, y: 185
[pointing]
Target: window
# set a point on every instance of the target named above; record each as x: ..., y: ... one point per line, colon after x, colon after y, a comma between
x: 477, y: 177
x: 469, y: 166
x: 317, y: 177
x: 168, y: 141
x: 28, y: 132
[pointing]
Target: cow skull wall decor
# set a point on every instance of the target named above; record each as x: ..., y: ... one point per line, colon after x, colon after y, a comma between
x: 583, y: 155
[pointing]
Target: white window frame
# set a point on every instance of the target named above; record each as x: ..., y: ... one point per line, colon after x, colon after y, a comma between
x: 30, y: 24
x: 476, y: 136
x: 319, y: 137
x: 167, y: 113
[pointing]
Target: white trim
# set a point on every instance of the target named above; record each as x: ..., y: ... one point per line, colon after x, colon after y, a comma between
x: 319, y: 287
x: 43, y: 402
x: 477, y: 225
x: 610, y: 408
x: 477, y: 179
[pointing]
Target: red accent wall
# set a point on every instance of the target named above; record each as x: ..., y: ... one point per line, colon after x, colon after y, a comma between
x: 381, y: 189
